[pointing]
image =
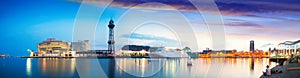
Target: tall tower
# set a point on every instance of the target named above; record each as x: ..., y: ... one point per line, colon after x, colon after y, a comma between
x: 252, y: 46
x: 111, y: 42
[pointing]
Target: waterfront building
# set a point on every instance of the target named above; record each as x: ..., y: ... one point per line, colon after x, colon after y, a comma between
x: 81, y: 45
x: 288, y: 47
x: 53, y: 47
x: 252, y: 46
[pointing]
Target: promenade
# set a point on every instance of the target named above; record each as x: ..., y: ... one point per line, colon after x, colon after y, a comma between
x: 285, y: 73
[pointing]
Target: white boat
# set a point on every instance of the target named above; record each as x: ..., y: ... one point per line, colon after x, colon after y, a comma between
x: 162, y: 52
x: 189, y: 62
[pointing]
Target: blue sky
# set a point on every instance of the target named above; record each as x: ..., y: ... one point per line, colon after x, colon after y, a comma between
x: 23, y: 24
x: 26, y: 23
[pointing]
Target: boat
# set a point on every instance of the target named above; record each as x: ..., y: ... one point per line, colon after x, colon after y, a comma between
x: 189, y: 62
x: 3, y: 55
x: 168, y: 53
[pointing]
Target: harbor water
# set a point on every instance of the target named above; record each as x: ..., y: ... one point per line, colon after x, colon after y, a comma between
x: 15, y: 67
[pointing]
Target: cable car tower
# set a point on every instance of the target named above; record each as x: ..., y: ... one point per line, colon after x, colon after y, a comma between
x: 111, y: 42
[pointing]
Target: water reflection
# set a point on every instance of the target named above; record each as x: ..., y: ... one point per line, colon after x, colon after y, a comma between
x: 227, y: 67
x: 148, y: 67
x: 140, y: 67
x: 53, y: 67
x: 28, y: 67
x: 112, y: 64
x: 251, y: 64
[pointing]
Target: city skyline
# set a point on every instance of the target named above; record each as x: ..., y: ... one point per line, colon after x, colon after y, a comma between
x: 266, y: 22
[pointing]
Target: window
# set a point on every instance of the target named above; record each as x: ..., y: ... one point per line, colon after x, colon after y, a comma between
x: 42, y: 49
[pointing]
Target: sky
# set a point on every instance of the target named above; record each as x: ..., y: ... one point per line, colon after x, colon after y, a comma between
x: 169, y: 23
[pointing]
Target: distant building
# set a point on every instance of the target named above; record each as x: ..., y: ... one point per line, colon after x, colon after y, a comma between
x: 217, y: 51
x: 81, y: 45
x: 53, y: 46
x: 252, y: 46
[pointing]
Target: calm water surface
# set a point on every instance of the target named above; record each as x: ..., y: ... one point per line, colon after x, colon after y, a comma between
x: 15, y: 67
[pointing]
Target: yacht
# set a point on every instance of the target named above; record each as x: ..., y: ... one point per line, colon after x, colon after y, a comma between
x: 169, y: 53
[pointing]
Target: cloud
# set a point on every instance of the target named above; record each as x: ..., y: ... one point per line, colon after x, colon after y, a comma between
x: 271, y: 17
x: 259, y: 6
x: 147, y: 37
x: 235, y: 20
x: 274, y: 6
x: 249, y: 8
x: 268, y: 45
x: 238, y: 23
x: 245, y: 24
